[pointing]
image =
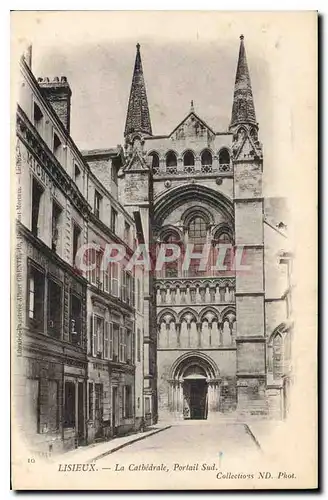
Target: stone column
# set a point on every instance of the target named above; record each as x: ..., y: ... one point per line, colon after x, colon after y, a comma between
x: 220, y: 328
x: 178, y: 331
x: 199, y: 333
x: 210, y: 334
x: 167, y: 334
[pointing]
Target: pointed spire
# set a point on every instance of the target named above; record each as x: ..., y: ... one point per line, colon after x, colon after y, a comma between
x: 243, y: 110
x: 138, y: 118
x: 192, y: 109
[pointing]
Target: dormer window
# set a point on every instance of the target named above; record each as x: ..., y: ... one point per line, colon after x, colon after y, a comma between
x: 77, y: 175
x: 38, y: 118
x: 98, y: 202
x: 57, y: 147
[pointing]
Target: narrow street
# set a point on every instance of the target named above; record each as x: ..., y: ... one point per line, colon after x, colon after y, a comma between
x: 188, y: 446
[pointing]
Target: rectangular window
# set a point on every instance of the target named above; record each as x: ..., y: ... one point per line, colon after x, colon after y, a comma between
x: 53, y: 405
x: 133, y: 354
x: 76, y: 320
x: 36, y: 289
x: 138, y: 295
x: 98, y: 203
x: 37, y: 192
x: 106, y: 341
x: 107, y: 278
x: 98, y: 336
x: 122, y: 352
x: 113, y: 220
x: 127, y: 401
x: 57, y: 146
x: 127, y: 230
x: 69, y: 405
x: 77, y: 176
x: 116, y: 335
x: 129, y: 346
x: 115, y: 278
x: 76, y: 240
x: 99, y: 273
x: 54, y: 309
x: 111, y: 341
x: 56, y: 222
x: 91, y: 415
x: 92, y: 262
x: 38, y: 118
x: 124, y: 279
x: 138, y: 344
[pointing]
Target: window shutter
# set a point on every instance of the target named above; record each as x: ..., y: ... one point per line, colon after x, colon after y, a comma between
x: 111, y: 343
x: 94, y: 336
x: 133, y: 291
x: 106, y: 340
x: 90, y: 339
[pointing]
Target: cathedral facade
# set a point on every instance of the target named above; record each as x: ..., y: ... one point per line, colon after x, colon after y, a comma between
x: 199, y: 192
x: 202, y: 332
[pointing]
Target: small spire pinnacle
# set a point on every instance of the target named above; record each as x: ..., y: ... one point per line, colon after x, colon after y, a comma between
x: 192, y: 106
x: 138, y: 117
x: 243, y: 110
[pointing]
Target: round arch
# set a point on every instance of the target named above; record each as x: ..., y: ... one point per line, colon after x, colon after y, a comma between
x: 195, y: 358
x: 171, y: 199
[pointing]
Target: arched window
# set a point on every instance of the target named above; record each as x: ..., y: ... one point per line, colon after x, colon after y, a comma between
x: 189, y: 162
x: 224, y: 160
x: 197, y: 230
x: 207, y: 161
x: 197, y: 234
x: 171, y: 269
x: 155, y: 162
x: 171, y: 163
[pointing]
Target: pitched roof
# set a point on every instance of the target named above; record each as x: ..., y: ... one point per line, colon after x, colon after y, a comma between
x: 243, y: 110
x: 138, y: 117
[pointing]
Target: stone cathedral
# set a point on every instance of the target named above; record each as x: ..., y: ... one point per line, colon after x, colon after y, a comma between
x: 220, y: 337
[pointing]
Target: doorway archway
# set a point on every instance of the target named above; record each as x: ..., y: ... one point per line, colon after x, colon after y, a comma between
x: 194, y: 386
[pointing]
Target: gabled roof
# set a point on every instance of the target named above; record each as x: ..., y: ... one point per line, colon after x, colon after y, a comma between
x: 192, y: 113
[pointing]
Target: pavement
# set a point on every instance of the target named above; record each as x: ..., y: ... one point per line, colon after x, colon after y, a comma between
x: 92, y: 452
x: 208, y: 439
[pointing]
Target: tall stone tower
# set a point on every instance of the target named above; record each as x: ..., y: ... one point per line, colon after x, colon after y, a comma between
x: 249, y: 240
x: 138, y: 200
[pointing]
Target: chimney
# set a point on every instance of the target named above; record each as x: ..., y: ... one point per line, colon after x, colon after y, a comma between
x: 58, y: 93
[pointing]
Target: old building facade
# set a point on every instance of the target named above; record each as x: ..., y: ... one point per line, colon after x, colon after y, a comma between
x: 79, y: 373
x: 220, y: 335
x: 111, y: 349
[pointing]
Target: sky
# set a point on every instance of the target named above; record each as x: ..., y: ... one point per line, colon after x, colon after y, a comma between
x: 185, y: 55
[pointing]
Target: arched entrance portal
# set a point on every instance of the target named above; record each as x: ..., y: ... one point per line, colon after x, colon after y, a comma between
x: 195, y: 385
x: 195, y: 393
